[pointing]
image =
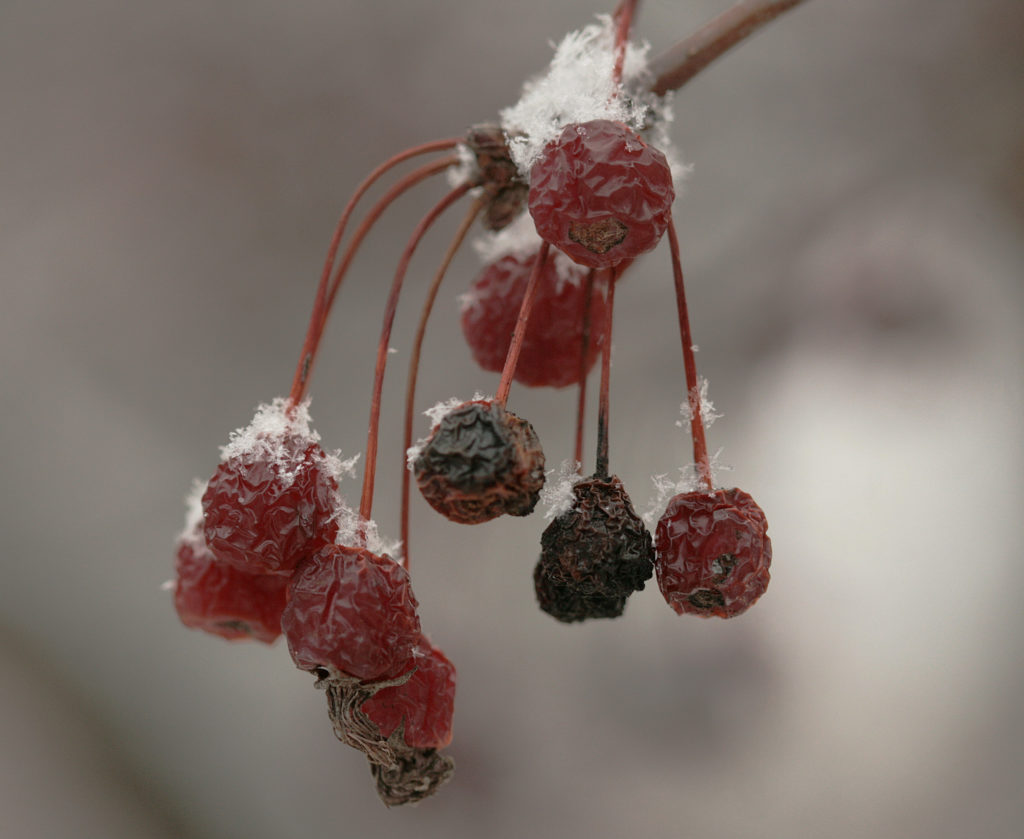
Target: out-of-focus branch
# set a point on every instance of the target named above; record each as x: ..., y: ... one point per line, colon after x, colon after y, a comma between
x: 677, y: 65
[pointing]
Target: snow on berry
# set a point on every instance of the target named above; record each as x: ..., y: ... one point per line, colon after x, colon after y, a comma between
x: 594, y: 555
x: 557, y: 494
x: 351, y: 612
x: 600, y: 194
x: 551, y: 352
x: 480, y: 462
x: 713, y: 553
x: 274, y: 498
x: 218, y: 598
x: 579, y: 87
x: 423, y: 705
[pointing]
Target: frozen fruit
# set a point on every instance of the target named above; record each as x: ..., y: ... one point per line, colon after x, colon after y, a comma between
x: 423, y: 705
x: 713, y: 553
x: 481, y: 461
x: 594, y: 555
x: 601, y: 194
x: 552, y: 347
x: 219, y: 599
x: 351, y: 612
x: 267, y: 508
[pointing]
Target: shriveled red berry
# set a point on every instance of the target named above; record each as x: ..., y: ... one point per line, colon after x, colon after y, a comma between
x: 270, y: 507
x: 480, y: 462
x: 351, y: 612
x: 713, y: 553
x: 219, y: 599
x: 601, y: 194
x: 594, y: 555
x: 425, y: 703
x: 552, y: 346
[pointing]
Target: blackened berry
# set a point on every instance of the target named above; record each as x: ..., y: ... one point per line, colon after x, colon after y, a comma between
x: 552, y: 346
x: 219, y: 599
x: 481, y: 461
x: 269, y: 507
x: 713, y: 553
x: 601, y: 194
x: 351, y: 612
x: 594, y: 555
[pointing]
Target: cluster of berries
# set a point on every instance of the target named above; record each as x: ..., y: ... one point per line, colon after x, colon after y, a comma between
x: 271, y: 546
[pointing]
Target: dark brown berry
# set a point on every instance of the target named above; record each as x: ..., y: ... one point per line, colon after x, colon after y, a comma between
x: 713, y: 553
x: 481, y: 461
x: 594, y: 555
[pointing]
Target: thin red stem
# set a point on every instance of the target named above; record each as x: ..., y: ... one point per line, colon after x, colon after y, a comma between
x: 414, y: 359
x: 366, y: 502
x: 700, y: 446
x: 679, y: 64
x: 601, y: 466
x: 581, y: 403
x: 624, y: 23
x: 512, y: 358
x: 327, y: 290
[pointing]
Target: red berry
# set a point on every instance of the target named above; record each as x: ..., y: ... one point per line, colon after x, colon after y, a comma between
x: 352, y: 612
x: 601, y: 194
x: 425, y: 702
x: 551, y: 350
x: 270, y: 507
x: 480, y: 462
x: 220, y: 599
x: 713, y: 553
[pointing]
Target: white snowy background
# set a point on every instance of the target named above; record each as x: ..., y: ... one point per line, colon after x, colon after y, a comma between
x: 169, y: 177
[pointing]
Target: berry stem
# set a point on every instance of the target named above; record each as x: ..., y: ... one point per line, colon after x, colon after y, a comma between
x: 512, y: 359
x: 327, y: 291
x: 601, y: 466
x: 414, y: 358
x: 623, y: 18
x: 581, y: 404
x: 366, y: 501
x: 700, y: 446
x: 680, y: 63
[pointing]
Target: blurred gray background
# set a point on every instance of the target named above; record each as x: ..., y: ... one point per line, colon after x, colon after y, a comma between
x: 170, y: 174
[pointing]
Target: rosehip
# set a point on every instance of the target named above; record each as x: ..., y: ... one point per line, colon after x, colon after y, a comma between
x: 351, y: 612
x: 219, y: 599
x: 425, y: 703
x: 268, y: 508
x: 601, y: 194
x: 713, y: 553
x: 552, y: 346
x: 481, y: 461
x: 594, y: 555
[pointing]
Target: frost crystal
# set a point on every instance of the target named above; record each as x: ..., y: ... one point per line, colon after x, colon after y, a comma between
x: 689, y: 480
x: 707, y: 408
x: 194, y: 514
x: 265, y: 436
x: 520, y: 240
x: 578, y: 87
x: 557, y: 494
